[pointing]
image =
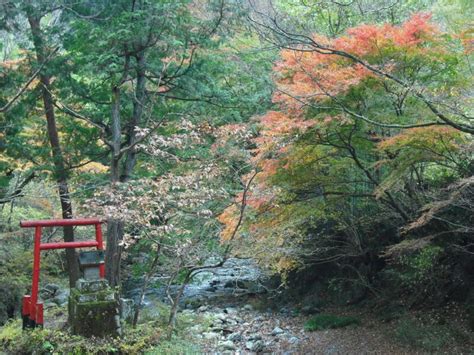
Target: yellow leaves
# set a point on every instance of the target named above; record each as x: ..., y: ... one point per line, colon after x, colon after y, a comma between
x: 12, y: 64
x: 229, y: 218
x: 427, y: 145
x: 93, y: 167
x: 285, y: 265
x: 437, y: 137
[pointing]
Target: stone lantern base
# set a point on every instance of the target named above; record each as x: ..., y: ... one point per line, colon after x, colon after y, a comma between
x: 94, y: 309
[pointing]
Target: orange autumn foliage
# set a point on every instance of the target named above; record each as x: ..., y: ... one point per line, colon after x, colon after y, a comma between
x: 310, y: 76
x: 306, y: 78
x: 229, y: 220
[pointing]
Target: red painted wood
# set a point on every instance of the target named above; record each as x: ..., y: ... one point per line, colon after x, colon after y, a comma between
x: 100, y: 246
x: 31, y: 308
x: 25, y: 306
x: 61, y: 222
x: 69, y: 245
x: 39, y: 313
x: 36, y: 271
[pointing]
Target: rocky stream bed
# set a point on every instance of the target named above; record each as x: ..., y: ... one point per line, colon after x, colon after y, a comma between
x: 230, y: 306
x: 225, y: 300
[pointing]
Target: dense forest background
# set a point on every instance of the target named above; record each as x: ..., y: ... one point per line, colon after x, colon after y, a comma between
x: 329, y: 141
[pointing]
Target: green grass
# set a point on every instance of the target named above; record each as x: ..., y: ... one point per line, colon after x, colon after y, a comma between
x: 329, y: 321
x: 428, y: 337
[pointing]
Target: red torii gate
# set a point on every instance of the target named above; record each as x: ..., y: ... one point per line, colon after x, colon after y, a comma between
x: 32, y: 311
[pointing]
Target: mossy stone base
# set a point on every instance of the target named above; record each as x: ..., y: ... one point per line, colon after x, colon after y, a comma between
x: 94, y: 312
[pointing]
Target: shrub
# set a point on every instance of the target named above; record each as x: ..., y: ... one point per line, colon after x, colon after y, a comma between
x: 426, y: 337
x: 150, y: 337
x: 329, y: 321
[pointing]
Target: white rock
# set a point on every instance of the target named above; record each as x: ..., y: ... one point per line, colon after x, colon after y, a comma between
x: 210, y: 335
x: 277, y: 331
x: 196, y: 328
x: 203, y: 309
x: 221, y: 316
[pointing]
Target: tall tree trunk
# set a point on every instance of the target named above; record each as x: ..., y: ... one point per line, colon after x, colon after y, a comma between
x: 113, y: 251
x: 138, y: 105
x: 123, y: 172
x: 60, y: 172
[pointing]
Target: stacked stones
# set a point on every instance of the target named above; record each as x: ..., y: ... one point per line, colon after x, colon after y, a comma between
x: 93, y: 305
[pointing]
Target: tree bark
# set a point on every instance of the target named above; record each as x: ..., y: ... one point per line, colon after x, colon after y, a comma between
x: 138, y: 104
x: 60, y: 173
x: 113, y: 251
x: 122, y: 171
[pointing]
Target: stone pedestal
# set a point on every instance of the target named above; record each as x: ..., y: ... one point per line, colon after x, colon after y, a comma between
x: 94, y: 309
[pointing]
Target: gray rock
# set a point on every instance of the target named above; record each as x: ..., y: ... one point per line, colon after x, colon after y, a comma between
x: 248, y: 307
x: 235, y: 337
x: 293, y: 340
x: 255, y: 337
x: 61, y: 298
x: 255, y: 346
x: 226, y: 345
x: 53, y: 288
x: 277, y: 331
x: 46, y: 294
x: 126, y: 309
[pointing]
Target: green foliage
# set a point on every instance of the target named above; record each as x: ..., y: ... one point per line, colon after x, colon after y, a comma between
x: 174, y: 346
x: 149, y: 337
x: 426, y: 337
x: 329, y: 321
x: 420, y: 267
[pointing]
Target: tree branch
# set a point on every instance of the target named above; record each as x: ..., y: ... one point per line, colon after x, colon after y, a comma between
x: 20, y: 92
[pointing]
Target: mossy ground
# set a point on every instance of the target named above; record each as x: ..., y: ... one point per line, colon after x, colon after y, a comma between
x: 149, y: 337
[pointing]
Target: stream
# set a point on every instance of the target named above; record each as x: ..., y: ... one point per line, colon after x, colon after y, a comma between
x: 223, y: 297
x: 230, y: 301
x: 236, y: 278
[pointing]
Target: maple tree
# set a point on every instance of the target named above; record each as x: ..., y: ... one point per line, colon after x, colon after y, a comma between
x: 346, y: 140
